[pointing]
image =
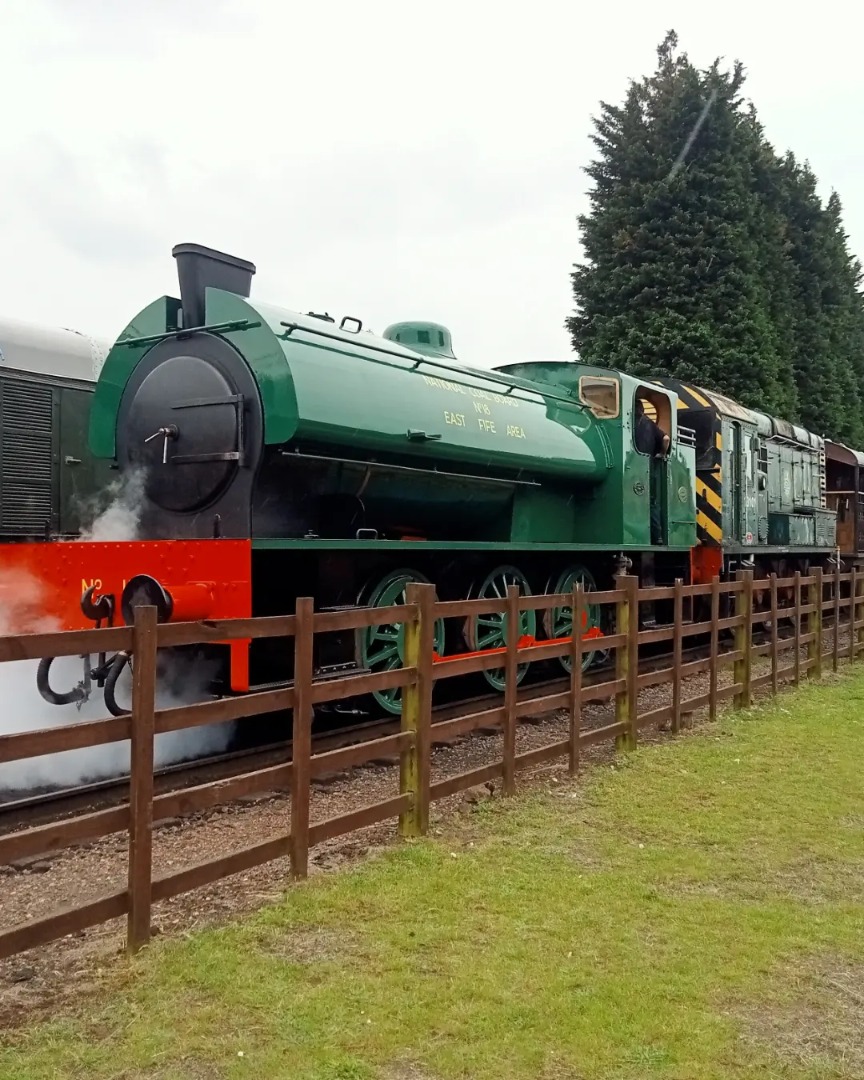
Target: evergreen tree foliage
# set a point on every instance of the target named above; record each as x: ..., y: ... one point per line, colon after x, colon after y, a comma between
x: 710, y: 258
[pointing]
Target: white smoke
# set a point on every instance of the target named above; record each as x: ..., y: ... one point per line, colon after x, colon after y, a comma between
x: 26, y: 710
x: 115, y: 513
x: 22, y: 606
x: 180, y: 681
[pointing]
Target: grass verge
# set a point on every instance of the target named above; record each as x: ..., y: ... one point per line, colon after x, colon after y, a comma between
x: 694, y: 912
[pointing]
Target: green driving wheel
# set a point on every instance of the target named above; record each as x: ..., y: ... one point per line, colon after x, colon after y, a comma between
x: 382, y: 647
x: 558, y: 622
x: 490, y: 631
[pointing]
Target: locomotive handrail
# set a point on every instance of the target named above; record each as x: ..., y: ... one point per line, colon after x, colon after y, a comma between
x: 292, y: 326
x: 213, y: 328
x: 450, y: 369
x: 407, y: 468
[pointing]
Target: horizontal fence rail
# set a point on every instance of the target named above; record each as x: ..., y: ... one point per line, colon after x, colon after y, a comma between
x: 754, y: 603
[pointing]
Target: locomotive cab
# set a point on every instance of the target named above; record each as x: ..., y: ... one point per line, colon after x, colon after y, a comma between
x: 656, y: 406
x: 621, y: 512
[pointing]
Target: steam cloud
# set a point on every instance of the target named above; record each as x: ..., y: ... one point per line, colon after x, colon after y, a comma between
x: 120, y: 519
x: 180, y: 681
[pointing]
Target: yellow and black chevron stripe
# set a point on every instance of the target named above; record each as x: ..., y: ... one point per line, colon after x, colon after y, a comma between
x: 709, y: 506
x: 691, y: 398
x: 709, y: 480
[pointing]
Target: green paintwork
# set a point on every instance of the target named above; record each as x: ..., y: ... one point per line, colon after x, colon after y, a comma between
x: 82, y: 477
x: 741, y: 506
x: 802, y: 530
x: 158, y: 318
x: 336, y: 392
x: 428, y: 338
x: 534, y: 465
x: 773, y: 489
x: 617, y: 512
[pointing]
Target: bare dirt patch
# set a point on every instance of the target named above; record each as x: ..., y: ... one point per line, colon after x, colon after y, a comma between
x: 310, y: 946
x: 823, y: 1022
x: 189, y: 1069
x: 406, y: 1071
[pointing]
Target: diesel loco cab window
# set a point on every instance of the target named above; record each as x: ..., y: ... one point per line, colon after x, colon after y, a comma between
x: 600, y: 395
x: 701, y: 422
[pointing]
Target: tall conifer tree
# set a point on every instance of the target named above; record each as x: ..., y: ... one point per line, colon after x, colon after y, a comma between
x: 709, y: 258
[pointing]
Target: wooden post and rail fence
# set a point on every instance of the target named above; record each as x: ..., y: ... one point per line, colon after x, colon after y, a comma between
x: 840, y: 595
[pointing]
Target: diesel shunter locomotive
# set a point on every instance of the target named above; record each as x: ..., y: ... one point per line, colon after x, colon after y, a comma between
x: 47, y: 474
x: 281, y: 455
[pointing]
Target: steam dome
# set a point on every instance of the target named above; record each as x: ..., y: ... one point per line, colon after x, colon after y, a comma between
x: 428, y: 338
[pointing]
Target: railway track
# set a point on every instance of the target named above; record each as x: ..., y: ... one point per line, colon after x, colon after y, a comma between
x: 37, y: 808
x: 42, y: 807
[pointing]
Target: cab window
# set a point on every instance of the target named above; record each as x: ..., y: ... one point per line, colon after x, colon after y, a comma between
x: 601, y: 396
x: 656, y: 407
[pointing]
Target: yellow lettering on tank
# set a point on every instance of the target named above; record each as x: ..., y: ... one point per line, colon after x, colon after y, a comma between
x: 498, y: 399
x: 94, y: 583
x: 486, y: 425
x: 444, y: 384
x: 457, y: 419
x: 472, y: 391
x: 482, y: 407
x: 516, y: 432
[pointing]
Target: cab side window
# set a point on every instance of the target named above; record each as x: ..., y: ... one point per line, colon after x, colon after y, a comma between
x: 601, y: 396
x: 652, y: 421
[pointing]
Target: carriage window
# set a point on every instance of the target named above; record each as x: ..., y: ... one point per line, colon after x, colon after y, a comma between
x: 600, y: 395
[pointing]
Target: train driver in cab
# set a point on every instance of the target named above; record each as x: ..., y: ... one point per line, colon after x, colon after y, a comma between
x: 652, y: 440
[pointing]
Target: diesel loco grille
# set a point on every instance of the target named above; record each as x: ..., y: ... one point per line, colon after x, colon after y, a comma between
x: 26, y: 457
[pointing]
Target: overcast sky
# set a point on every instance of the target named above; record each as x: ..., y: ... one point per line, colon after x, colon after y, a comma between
x: 383, y: 160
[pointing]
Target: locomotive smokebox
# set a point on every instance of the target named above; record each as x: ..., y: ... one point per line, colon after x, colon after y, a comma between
x: 200, y: 268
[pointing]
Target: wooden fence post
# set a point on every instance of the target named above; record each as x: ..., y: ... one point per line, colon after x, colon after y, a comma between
x: 743, y: 637
x: 796, y: 676
x: 715, y: 649
x: 858, y: 635
x: 627, y: 661
x: 816, y: 594
x: 577, y: 606
x: 301, y: 743
x: 835, y: 656
x: 510, y: 689
x: 415, y: 761
x: 677, y: 645
x: 144, y: 645
x: 775, y: 637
